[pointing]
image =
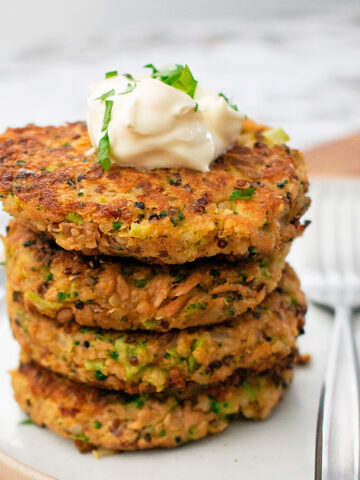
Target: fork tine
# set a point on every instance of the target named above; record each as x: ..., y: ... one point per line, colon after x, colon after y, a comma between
x: 345, y: 237
x: 356, y: 228
x: 328, y: 242
x: 307, y: 259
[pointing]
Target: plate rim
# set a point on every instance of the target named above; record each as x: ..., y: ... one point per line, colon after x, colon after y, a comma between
x: 13, y: 469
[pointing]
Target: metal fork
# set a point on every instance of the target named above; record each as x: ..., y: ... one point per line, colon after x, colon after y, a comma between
x: 333, y: 282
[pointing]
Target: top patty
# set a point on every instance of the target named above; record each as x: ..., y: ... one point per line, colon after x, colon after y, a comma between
x: 248, y: 203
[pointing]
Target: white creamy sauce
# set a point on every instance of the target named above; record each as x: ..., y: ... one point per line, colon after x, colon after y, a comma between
x: 158, y: 126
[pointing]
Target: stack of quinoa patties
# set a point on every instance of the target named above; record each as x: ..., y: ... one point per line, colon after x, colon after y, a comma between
x: 151, y: 307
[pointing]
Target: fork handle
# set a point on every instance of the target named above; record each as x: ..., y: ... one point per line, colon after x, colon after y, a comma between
x: 337, y: 436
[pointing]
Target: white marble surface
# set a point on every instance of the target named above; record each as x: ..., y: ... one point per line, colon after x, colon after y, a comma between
x: 297, y: 70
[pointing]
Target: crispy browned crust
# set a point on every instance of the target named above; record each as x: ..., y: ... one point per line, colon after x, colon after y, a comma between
x: 96, y: 419
x: 125, y: 295
x: 152, y: 361
x: 50, y: 182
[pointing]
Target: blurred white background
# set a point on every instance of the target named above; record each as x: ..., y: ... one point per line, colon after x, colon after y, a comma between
x: 284, y: 62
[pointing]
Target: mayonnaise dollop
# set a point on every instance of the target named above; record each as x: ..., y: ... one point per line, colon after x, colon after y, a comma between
x: 154, y: 125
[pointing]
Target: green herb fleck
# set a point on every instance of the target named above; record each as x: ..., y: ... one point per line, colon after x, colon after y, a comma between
x: 99, y: 375
x: 282, y: 184
x: 242, y: 194
x: 97, y: 424
x: 82, y: 437
x: 193, y: 365
x: 162, y: 433
x: 250, y: 392
x: 106, y: 95
x: 177, y: 76
x: 176, y: 220
x: 196, y: 306
x: 117, y: 225
x: 233, y: 106
x: 150, y: 65
x: 131, y: 88
x: 28, y: 421
x: 112, y: 354
x: 107, y: 114
x: 113, y: 73
x: 62, y: 296
x: 28, y: 243
x: 74, y: 218
x: 103, y: 152
x: 140, y: 283
x: 139, y: 402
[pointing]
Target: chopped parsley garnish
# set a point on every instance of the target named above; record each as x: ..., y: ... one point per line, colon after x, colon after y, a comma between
x: 113, y: 73
x: 106, y: 95
x: 196, y: 107
x: 233, y: 106
x: 103, y: 152
x: 129, y: 76
x: 107, y: 114
x: 177, y: 76
x: 150, y: 65
x: 186, y: 82
x: 97, y: 424
x: 242, y: 194
x: 130, y: 88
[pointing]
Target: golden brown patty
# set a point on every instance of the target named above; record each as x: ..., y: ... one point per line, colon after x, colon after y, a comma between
x: 152, y: 361
x: 116, y: 421
x: 248, y: 204
x: 125, y: 295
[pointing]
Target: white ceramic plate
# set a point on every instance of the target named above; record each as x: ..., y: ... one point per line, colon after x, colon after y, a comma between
x: 281, y: 447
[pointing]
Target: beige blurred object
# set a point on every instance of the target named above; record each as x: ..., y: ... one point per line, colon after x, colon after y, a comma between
x: 339, y: 158
x: 11, y: 469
